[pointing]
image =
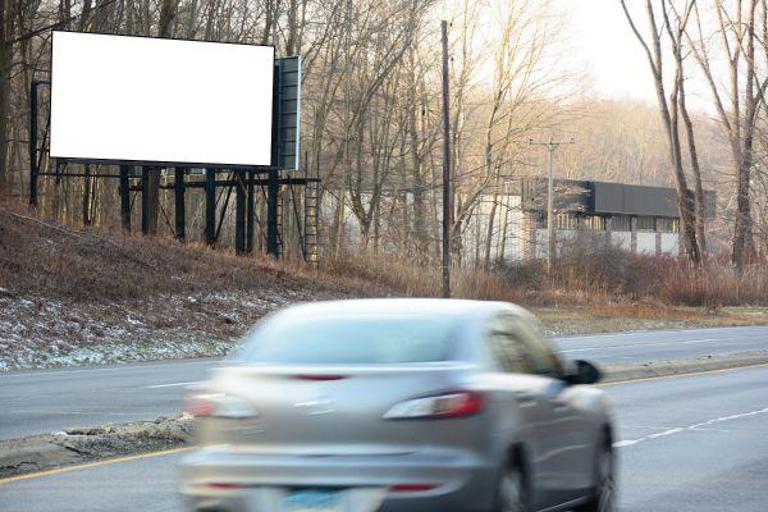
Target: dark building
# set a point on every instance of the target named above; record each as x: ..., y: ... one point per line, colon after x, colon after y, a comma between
x: 637, y: 217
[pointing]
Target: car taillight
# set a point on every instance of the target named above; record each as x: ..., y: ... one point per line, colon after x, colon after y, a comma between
x: 456, y: 404
x: 219, y: 405
x: 412, y: 488
x: 197, y: 406
x: 319, y: 377
x: 219, y: 486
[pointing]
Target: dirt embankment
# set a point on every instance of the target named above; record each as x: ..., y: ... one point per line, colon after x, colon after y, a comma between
x: 71, y: 297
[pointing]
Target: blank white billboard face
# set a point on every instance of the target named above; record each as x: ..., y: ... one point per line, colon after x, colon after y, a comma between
x: 160, y: 100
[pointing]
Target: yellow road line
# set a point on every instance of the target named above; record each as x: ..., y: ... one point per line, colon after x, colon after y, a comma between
x: 680, y: 375
x: 152, y: 455
x: 50, y: 472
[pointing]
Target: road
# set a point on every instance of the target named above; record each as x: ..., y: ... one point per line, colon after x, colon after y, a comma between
x: 633, y: 347
x: 45, y: 401
x: 35, y: 402
x: 693, y: 443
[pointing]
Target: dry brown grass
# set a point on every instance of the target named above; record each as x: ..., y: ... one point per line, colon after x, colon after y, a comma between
x: 40, y: 257
x: 713, y: 287
x: 602, y: 277
x: 401, y: 276
x: 89, y: 265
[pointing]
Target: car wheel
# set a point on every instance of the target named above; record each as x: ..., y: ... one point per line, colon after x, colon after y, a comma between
x: 512, y: 490
x: 604, y: 497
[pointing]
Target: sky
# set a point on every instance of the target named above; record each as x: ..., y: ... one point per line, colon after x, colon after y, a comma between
x: 604, y: 42
x: 599, y: 43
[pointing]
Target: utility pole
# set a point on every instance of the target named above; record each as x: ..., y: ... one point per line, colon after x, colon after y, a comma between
x: 551, y: 146
x: 447, y: 203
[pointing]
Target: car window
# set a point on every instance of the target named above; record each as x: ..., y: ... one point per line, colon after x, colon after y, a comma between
x: 358, y: 339
x: 543, y: 358
x: 508, y: 350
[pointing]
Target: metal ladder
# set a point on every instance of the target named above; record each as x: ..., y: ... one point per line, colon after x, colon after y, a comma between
x: 311, y: 207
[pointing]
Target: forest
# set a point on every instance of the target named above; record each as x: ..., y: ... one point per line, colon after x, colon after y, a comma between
x: 372, y: 114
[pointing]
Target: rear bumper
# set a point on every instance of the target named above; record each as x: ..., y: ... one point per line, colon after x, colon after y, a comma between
x: 463, y: 480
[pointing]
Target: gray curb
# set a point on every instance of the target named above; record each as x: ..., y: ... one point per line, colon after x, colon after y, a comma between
x: 78, y: 446
x: 639, y: 371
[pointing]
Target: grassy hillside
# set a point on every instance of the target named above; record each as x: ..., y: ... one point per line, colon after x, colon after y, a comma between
x: 72, y: 296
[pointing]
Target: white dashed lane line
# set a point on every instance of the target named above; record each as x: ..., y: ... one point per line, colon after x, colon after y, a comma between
x: 689, y: 428
x: 172, y: 385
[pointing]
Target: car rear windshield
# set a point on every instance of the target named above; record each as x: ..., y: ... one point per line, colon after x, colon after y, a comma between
x: 380, y: 339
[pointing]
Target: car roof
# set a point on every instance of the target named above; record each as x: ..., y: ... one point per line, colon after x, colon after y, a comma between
x: 404, y: 306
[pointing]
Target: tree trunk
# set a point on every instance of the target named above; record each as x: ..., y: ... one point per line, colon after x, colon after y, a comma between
x: 6, y: 46
x: 338, y: 223
x: 502, y: 252
x: 699, y: 207
x: 742, y: 232
x: 192, y: 20
x: 270, y: 13
x: 669, y: 115
x: 489, y: 234
x: 293, y: 19
x: 419, y: 205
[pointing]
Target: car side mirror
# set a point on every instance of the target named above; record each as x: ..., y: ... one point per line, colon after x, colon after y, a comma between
x: 583, y: 372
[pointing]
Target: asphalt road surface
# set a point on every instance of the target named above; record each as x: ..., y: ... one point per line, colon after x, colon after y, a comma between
x: 693, y: 443
x: 45, y: 401
x: 634, y: 347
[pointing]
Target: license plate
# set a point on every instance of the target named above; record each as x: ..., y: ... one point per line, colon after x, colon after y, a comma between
x: 312, y: 500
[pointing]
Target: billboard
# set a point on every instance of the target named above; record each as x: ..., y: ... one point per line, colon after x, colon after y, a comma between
x: 146, y: 100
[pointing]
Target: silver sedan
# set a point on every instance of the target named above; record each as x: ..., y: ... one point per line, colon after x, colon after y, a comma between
x: 399, y: 405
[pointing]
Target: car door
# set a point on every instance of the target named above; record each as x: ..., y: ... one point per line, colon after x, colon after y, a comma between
x: 564, y: 436
x: 529, y: 391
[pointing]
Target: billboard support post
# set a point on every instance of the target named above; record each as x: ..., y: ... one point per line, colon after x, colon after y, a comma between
x: 33, y: 170
x: 210, y: 206
x: 125, y: 199
x: 240, y: 211
x: 273, y: 248
x: 178, y: 189
x: 145, y: 200
x: 250, y: 214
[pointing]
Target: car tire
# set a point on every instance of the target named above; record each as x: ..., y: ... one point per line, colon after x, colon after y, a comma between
x: 512, y: 489
x: 604, y: 497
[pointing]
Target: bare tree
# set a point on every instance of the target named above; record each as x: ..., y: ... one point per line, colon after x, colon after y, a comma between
x: 669, y: 109
x: 676, y: 36
x: 7, y: 12
x: 737, y: 103
x: 485, y: 133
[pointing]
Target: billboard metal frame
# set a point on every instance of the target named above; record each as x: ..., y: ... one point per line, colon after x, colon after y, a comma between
x: 243, y: 178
